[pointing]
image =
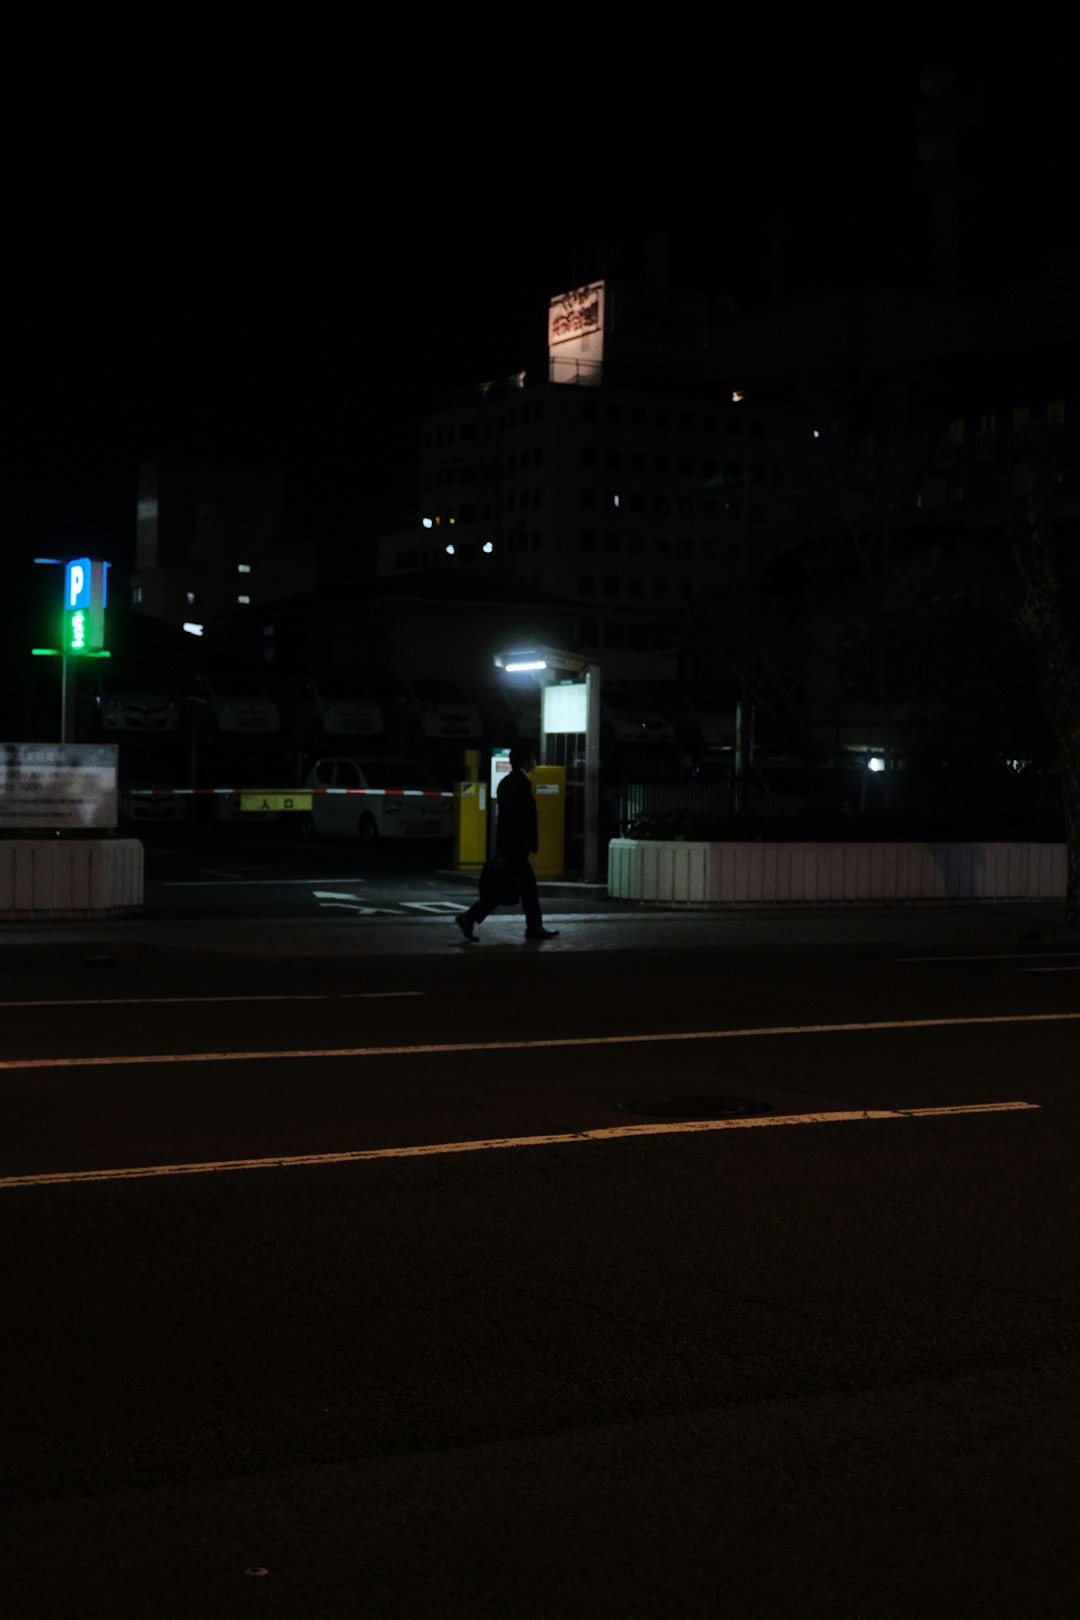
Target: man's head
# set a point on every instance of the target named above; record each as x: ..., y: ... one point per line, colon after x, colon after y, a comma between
x: 523, y: 757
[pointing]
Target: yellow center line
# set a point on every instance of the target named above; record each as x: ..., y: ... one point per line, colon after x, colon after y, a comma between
x: 428, y: 1149
x: 547, y: 1043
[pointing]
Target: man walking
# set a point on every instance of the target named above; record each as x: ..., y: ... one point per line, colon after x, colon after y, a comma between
x: 516, y: 838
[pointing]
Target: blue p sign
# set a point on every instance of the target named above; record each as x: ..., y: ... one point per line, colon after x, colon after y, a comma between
x: 77, y: 583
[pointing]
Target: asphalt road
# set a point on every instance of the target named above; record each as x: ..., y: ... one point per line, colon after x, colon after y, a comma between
x: 513, y: 1283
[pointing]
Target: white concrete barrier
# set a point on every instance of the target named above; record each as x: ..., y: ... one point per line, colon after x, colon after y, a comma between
x: 699, y: 874
x: 60, y: 877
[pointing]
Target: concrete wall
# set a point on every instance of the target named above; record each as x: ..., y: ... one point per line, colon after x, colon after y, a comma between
x: 675, y: 873
x: 55, y: 877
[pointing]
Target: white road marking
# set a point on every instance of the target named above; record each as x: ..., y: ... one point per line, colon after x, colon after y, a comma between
x: 545, y: 1044
x: 608, y: 1134
x: 199, y: 1001
x: 988, y: 956
x: 235, y: 882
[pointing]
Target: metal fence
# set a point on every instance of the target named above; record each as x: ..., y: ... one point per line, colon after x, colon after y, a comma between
x: 716, y: 799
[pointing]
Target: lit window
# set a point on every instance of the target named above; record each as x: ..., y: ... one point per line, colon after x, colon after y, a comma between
x: 243, y: 568
x: 488, y: 547
x: 190, y: 595
x: 243, y: 600
x: 449, y: 551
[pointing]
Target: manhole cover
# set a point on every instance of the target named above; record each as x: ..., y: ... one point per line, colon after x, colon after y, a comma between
x: 693, y: 1107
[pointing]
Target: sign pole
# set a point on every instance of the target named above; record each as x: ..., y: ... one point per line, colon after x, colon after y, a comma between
x: 67, y: 692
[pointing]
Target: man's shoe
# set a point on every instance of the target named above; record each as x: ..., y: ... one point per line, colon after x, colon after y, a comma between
x: 464, y: 922
x: 541, y: 933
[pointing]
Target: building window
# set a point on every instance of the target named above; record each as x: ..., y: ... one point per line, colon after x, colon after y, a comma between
x: 136, y: 593
x: 612, y: 585
x: 589, y: 411
x: 243, y: 600
x: 687, y: 422
x: 613, y: 634
x: 614, y: 413
x: 662, y: 464
x: 243, y: 568
x: 734, y: 426
x: 586, y: 539
x: 586, y: 584
x: 586, y: 497
x: 587, y: 456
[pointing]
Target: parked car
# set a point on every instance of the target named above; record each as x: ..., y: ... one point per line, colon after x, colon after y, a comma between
x: 507, y: 712
x: 233, y: 704
x: 633, y: 715
x: 373, y: 799
x: 129, y: 703
x: 421, y: 711
x: 327, y: 706
x: 702, y: 721
x: 149, y: 775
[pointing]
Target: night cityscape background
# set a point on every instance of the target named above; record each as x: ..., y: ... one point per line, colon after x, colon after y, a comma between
x: 282, y: 244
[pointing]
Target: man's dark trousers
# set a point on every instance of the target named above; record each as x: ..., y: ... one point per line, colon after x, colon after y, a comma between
x: 521, y: 867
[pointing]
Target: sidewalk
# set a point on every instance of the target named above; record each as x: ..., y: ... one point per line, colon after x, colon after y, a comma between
x: 582, y: 923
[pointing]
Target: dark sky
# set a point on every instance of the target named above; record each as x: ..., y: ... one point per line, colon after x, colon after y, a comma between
x: 281, y: 241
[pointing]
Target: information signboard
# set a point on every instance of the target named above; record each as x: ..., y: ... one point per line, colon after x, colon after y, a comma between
x: 57, y: 786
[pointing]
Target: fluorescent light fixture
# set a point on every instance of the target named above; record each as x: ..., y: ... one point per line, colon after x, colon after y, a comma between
x: 194, y: 629
x: 488, y: 547
x: 875, y: 764
x: 426, y: 522
x: 523, y: 664
x: 449, y: 551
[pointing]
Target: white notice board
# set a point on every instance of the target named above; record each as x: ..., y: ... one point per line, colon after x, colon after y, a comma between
x: 56, y: 786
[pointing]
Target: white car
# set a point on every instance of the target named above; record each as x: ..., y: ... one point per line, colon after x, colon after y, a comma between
x: 701, y: 722
x: 425, y: 711
x: 123, y: 703
x: 631, y: 716
x: 232, y: 704
x: 373, y: 799
x: 329, y: 706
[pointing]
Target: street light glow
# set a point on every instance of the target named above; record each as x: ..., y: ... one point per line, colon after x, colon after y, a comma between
x: 523, y: 664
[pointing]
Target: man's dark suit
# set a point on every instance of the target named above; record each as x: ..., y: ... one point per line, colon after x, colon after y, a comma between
x: 516, y: 838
